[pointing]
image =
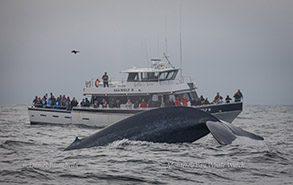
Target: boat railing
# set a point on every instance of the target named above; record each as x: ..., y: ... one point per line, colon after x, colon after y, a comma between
x: 123, y: 106
x: 112, y: 83
x: 122, y: 83
x: 184, y: 79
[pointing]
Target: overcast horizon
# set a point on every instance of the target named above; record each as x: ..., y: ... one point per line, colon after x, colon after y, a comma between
x: 227, y: 45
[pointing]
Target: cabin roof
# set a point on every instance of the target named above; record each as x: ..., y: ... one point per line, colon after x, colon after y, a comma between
x: 142, y: 70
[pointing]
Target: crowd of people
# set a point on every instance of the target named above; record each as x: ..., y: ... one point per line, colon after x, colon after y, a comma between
x: 219, y: 99
x: 63, y: 102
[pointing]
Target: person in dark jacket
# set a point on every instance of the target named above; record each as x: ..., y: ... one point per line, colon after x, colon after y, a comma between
x: 238, y: 96
x: 105, y: 78
x: 228, y: 99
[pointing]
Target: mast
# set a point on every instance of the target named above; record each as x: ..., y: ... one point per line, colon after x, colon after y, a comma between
x: 166, y: 50
x: 180, y: 48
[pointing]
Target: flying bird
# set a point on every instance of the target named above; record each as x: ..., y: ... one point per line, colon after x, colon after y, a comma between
x: 74, y: 51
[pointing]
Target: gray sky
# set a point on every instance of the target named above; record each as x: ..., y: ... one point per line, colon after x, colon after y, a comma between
x: 227, y: 45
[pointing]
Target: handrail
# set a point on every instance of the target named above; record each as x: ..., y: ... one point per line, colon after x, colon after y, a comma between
x: 178, y: 80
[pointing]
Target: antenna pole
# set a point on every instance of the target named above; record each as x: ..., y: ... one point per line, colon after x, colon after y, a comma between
x: 180, y: 47
x: 166, y: 50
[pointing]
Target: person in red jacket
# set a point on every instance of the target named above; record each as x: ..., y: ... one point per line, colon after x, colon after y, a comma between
x: 143, y: 104
x: 184, y: 101
x: 177, y: 102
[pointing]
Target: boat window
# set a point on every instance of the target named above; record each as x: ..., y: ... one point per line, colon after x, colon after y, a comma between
x: 132, y: 77
x: 194, y: 94
x: 163, y: 75
x: 144, y: 76
x: 155, y: 101
x: 150, y: 76
x: 155, y: 98
x: 170, y: 75
x: 171, y: 96
x: 112, y: 100
x: 153, y: 76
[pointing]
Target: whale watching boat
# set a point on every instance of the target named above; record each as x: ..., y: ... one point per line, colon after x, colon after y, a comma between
x: 157, y: 85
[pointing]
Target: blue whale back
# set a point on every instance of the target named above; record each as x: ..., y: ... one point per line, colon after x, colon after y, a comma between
x: 168, y: 124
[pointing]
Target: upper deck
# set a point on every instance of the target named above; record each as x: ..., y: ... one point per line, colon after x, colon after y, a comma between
x: 160, y: 78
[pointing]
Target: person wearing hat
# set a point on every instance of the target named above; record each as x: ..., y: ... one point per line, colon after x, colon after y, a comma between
x: 184, y: 101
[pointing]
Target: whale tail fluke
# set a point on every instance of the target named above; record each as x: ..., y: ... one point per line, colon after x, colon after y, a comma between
x: 227, y: 133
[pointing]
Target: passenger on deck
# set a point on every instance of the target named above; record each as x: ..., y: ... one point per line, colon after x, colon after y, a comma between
x: 117, y: 103
x: 206, y: 101
x: 193, y: 101
x: 151, y: 103
x: 172, y: 104
x: 44, y: 102
x: 238, y: 96
x: 136, y: 104
x: 68, y: 103
x: 217, y: 98
x: 96, y: 104
x: 105, y: 78
x: 220, y: 100
x: 184, y: 101
x: 167, y: 104
x: 63, y: 101
x: 57, y: 103
x: 39, y: 102
x: 35, y: 100
x: 228, y: 99
x: 87, y: 103
x: 143, y: 104
x: 198, y: 101
x: 53, y: 99
x: 128, y: 105
x: 201, y: 99
x: 112, y: 103
x: 74, y: 102
x: 49, y: 103
x: 46, y: 96
x: 104, y: 103
x: 177, y: 102
x: 82, y: 103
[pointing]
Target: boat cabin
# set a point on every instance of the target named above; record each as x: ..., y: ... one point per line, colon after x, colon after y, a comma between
x: 156, y: 85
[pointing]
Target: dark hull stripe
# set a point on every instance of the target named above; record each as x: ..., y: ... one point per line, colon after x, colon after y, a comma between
x: 47, y: 123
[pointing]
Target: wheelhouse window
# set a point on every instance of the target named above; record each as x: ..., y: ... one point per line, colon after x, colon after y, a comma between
x: 163, y: 76
x: 152, y: 76
x: 133, y: 77
x: 168, y: 75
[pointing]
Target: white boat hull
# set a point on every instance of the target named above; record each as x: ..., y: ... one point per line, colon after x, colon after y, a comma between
x: 99, y: 117
x: 49, y: 116
x: 96, y: 119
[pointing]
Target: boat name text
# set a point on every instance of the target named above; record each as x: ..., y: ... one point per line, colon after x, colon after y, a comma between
x: 123, y: 90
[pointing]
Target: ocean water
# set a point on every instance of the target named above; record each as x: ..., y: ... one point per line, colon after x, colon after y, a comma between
x: 33, y: 154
